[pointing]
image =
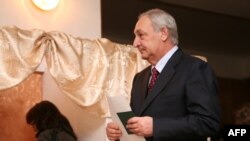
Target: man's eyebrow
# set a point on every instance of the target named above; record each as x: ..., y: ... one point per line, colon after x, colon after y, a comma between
x: 139, y: 31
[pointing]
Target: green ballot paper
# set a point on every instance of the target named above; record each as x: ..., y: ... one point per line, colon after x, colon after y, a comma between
x: 124, y: 116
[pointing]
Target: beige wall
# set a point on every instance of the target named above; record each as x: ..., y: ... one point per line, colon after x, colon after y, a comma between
x: 76, y: 17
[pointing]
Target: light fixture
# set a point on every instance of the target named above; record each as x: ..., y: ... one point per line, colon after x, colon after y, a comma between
x: 46, y: 4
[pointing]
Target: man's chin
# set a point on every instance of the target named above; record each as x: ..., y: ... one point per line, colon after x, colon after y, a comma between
x: 144, y: 55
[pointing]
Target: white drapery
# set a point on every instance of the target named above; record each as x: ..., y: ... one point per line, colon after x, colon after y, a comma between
x: 85, y: 70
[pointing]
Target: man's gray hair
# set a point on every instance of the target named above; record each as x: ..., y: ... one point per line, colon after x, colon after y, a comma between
x: 161, y: 19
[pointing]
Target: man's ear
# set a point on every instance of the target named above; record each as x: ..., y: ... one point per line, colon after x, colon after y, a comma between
x: 164, y: 34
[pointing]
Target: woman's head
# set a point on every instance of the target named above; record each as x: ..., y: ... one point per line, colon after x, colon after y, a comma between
x: 44, y: 115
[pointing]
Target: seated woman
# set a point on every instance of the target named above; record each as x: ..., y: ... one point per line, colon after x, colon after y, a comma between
x: 49, y: 123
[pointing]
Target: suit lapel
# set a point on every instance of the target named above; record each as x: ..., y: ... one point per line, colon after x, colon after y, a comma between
x: 145, y: 82
x: 140, y: 90
x: 163, y: 79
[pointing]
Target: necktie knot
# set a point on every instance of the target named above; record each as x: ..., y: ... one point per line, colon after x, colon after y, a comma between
x: 154, y: 75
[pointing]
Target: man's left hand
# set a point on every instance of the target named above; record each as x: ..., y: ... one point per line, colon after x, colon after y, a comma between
x: 141, y: 126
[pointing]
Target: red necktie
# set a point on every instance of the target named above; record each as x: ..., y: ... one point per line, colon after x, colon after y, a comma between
x: 154, y: 76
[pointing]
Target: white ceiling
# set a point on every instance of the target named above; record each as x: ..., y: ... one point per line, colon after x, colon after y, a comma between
x: 237, y: 8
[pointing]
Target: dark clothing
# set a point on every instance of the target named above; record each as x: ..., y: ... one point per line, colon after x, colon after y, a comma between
x: 54, y: 135
x: 183, y: 102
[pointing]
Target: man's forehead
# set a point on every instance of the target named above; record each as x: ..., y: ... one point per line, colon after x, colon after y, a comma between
x: 143, y: 20
x: 143, y: 23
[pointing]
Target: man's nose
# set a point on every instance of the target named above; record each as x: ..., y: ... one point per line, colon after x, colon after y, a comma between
x: 136, y: 42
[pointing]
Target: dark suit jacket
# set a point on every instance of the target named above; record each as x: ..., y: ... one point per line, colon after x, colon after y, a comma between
x: 183, y: 103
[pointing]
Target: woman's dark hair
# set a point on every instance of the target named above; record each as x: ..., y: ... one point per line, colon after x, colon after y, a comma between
x: 45, y: 115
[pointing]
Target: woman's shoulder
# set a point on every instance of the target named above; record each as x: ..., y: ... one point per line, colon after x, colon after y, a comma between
x: 54, y: 135
x: 46, y: 135
x: 64, y: 136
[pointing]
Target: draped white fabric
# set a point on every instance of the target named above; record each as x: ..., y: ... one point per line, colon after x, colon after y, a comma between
x: 85, y: 70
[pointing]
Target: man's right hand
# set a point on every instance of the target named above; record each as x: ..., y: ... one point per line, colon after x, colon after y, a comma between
x: 113, y: 131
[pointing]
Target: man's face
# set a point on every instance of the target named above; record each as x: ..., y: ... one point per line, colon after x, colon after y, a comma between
x: 146, y: 39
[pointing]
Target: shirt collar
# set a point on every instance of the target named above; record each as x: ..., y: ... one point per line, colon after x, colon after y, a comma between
x: 163, y: 61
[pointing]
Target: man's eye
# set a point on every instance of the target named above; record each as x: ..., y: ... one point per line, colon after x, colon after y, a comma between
x: 141, y: 35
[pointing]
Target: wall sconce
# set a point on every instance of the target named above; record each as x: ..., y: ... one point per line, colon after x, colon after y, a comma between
x: 46, y: 5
